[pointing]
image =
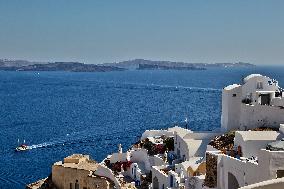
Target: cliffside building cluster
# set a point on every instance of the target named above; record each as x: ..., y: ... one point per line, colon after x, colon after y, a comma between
x: 246, y: 152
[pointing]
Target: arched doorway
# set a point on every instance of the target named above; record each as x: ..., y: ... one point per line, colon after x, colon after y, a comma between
x: 232, y: 181
x: 155, y: 183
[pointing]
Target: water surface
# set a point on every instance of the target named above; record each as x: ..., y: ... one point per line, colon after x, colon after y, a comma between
x: 61, y: 113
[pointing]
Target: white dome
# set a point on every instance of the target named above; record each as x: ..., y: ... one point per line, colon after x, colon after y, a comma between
x: 251, y: 76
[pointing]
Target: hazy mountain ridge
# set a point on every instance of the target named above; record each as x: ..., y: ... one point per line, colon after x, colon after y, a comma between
x: 56, y: 66
x: 134, y: 64
x: 17, y: 63
x: 139, y: 64
x: 167, y: 67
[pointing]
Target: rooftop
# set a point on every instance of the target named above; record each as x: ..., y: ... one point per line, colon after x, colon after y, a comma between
x: 193, y: 162
x: 251, y: 76
x: 78, y: 161
x: 180, y: 131
x: 258, y: 135
x: 276, y: 146
x: 230, y: 87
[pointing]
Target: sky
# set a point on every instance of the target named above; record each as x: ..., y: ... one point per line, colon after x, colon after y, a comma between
x: 100, y: 31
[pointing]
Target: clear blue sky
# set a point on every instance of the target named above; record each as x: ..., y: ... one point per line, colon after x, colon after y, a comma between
x: 97, y: 31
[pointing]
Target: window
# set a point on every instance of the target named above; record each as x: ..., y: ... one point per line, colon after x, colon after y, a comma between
x: 77, y: 185
x: 171, y: 181
x: 234, y: 95
x: 259, y: 85
x: 70, y: 185
x: 280, y: 173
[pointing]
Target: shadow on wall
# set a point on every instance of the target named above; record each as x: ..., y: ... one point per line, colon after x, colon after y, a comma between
x: 232, y: 181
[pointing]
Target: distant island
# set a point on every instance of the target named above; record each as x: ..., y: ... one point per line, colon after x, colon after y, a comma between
x: 56, y: 66
x: 142, y: 64
x: 136, y: 64
x: 167, y: 67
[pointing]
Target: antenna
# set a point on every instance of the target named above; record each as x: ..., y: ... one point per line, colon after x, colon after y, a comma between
x: 186, y: 121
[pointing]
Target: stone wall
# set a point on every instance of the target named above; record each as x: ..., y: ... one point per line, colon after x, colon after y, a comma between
x: 211, y: 171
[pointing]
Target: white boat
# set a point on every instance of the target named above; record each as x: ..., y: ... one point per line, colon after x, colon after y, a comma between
x: 22, y: 147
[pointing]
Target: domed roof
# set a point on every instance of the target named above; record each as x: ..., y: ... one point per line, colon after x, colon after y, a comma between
x: 251, y: 76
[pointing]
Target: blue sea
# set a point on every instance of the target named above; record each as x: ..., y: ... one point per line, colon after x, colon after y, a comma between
x: 61, y: 113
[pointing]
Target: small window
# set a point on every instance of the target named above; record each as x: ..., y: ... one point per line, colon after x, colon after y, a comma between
x: 259, y: 85
x: 280, y: 173
x: 234, y: 95
x: 171, y: 181
x: 77, y: 185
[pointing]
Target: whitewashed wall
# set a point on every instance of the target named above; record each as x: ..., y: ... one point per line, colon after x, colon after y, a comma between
x: 153, y: 133
x: 116, y: 157
x: 162, y: 177
x: 156, y: 161
x: 271, y: 161
x: 190, y: 147
x: 106, y: 172
x: 231, y: 108
x: 261, y: 115
x: 251, y: 85
x: 252, y: 147
x: 277, y: 101
x: 141, y: 155
x: 245, y: 172
x: 269, y: 184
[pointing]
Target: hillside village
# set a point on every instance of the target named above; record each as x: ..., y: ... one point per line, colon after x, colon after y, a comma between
x: 246, y: 152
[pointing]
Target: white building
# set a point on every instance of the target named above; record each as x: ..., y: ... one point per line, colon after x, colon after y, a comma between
x: 258, y: 102
x: 188, y: 169
x: 256, y: 164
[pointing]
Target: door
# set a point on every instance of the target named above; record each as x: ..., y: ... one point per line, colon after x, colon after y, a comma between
x: 265, y: 99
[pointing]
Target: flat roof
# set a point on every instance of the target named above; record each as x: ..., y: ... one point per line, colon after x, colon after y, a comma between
x: 77, y: 156
x: 193, y: 162
x: 258, y: 135
x: 230, y: 87
x: 86, y: 165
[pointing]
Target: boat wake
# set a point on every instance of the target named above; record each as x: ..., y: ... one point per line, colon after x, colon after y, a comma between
x: 42, y: 145
x: 157, y: 87
x: 188, y: 88
x: 77, y: 138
